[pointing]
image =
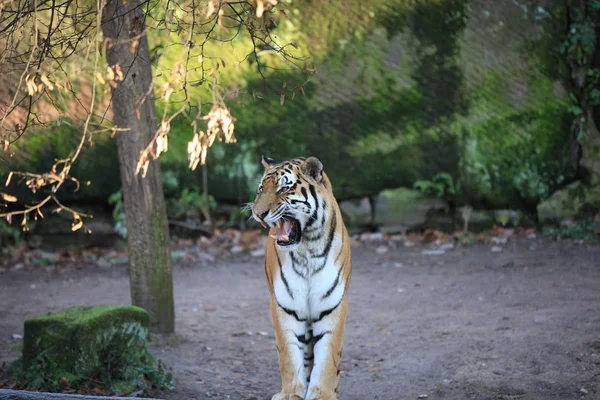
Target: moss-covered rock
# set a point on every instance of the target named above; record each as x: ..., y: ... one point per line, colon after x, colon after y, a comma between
x: 358, y: 214
x: 105, y: 343
x: 576, y: 200
x: 403, y: 209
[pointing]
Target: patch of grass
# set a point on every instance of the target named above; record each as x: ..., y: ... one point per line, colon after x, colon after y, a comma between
x: 466, y: 239
x: 41, y: 262
x: 377, y: 377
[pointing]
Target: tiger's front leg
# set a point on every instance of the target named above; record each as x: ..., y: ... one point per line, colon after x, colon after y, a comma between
x: 328, y: 342
x: 289, y: 334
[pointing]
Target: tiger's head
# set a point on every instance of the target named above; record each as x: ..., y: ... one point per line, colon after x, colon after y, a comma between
x: 289, y: 198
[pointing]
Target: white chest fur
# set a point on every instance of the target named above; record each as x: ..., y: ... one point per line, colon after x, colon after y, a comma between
x: 308, y: 285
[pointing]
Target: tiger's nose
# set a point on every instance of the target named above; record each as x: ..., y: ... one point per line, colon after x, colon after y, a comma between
x: 261, y: 217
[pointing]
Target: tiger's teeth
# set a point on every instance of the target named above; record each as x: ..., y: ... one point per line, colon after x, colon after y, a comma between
x: 274, y: 236
x: 263, y: 224
x: 286, y: 238
x: 278, y: 224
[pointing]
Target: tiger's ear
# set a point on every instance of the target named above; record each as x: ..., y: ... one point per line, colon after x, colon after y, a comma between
x: 266, y: 161
x: 313, y: 167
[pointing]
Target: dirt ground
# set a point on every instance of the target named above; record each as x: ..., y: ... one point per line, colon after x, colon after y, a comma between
x: 523, y: 323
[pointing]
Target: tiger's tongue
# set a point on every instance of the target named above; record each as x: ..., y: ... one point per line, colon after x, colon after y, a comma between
x: 283, y: 230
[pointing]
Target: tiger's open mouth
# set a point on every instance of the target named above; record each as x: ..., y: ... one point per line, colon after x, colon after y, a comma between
x: 287, y: 231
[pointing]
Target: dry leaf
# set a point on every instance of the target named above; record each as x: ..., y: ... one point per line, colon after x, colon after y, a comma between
x: 8, y: 197
x: 8, y: 178
x: 134, y: 46
x: 220, y: 126
x: 260, y: 8
x: 142, y: 164
x: 64, y: 383
x: 119, y: 72
x: 100, y: 77
x: 110, y: 74
x: 77, y: 222
x: 46, y: 82
x: 211, y: 8
x: 168, y: 91
x: 220, y: 17
x: 31, y: 86
x: 263, y: 6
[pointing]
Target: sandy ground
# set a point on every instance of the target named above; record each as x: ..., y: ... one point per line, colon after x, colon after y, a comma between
x: 467, y: 324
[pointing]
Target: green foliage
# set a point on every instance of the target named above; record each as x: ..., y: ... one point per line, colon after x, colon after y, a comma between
x: 116, y: 201
x: 437, y: 25
x: 193, y: 198
x: 405, y: 91
x: 580, y: 43
x: 126, y: 366
x: 43, y: 373
x: 466, y: 239
x: 128, y: 371
x: 516, y: 159
x: 440, y: 186
x: 170, y: 183
x: 578, y: 48
x: 578, y: 230
x: 240, y: 214
x: 506, y: 217
x: 191, y: 203
x: 10, y: 236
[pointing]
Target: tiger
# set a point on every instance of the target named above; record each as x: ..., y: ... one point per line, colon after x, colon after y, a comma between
x: 307, y: 269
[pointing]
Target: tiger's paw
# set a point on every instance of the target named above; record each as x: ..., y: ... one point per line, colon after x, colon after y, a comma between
x: 295, y: 392
x: 316, y: 393
x: 285, y: 396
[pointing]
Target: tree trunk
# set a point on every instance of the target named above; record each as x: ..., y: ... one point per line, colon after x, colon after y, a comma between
x: 133, y: 107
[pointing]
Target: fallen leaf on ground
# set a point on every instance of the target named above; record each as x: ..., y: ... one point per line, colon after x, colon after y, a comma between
x: 64, y: 383
x: 433, y: 235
